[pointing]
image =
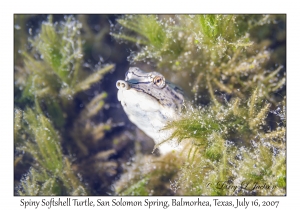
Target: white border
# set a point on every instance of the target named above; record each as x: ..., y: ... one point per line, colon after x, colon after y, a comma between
x: 8, y: 8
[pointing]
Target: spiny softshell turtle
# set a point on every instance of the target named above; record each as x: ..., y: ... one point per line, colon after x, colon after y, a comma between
x: 150, y: 102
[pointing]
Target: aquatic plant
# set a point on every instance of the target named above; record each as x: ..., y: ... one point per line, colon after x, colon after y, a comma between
x: 235, y: 127
x: 148, y: 175
x: 49, y: 74
x: 231, y: 143
x: 214, y: 49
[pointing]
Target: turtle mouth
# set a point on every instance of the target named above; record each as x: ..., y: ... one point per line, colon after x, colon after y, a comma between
x: 126, y: 85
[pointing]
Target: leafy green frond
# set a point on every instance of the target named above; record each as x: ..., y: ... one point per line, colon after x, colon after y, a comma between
x: 222, y: 86
x: 59, y: 46
x: 94, y: 106
x: 137, y: 188
x: 147, y: 26
x: 279, y: 85
x: 47, y: 80
x: 278, y: 134
x: 46, y: 150
x: 129, y: 38
x: 259, y: 118
x: 31, y: 184
x: 91, y: 79
x: 18, y: 115
x: 252, y: 102
x: 215, y: 148
x: 214, y: 26
x: 210, y: 90
x: 251, y: 64
x: 207, y: 128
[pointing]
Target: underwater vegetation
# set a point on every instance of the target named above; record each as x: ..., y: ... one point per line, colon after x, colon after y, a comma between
x: 50, y: 76
x: 217, y: 50
x: 69, y: 141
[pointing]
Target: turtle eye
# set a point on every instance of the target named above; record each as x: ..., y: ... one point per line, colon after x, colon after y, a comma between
x: 159, y: 81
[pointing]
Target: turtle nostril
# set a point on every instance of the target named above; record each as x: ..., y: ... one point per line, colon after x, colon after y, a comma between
x: 122, y: 85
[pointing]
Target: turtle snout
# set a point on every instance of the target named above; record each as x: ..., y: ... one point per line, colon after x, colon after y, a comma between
x: 121, y: 84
